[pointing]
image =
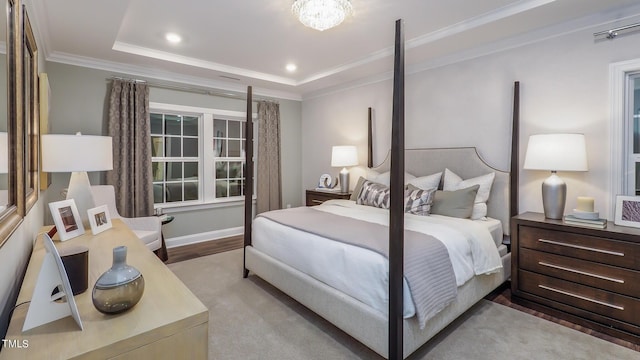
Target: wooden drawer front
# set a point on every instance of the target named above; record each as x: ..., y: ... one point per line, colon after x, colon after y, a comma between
x: 601, y: 302
x: 316, y: 199
x: 598, y: 249
x: 615, y: 279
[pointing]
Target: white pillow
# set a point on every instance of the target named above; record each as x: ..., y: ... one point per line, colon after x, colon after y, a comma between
x: 385, y: 177
x: 455, y: 182
x: 426, y: 182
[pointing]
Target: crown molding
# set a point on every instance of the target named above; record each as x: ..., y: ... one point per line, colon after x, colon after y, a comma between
x: 209, y: 65
x: 145, y: 72
x: 466, y: 25
x: 591, y: 23
x: 596, y: 21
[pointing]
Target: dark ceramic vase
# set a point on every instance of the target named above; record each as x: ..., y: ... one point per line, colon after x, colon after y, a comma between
x: 119, y: 288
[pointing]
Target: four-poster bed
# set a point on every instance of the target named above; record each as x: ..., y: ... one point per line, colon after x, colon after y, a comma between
x: 287, y: 256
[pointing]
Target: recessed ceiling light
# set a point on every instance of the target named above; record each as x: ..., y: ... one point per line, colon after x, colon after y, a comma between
x: 173, y: 38
x: 291, y: 67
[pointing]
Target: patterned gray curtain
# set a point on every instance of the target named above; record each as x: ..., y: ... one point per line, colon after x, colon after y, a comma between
x: 268, y: 175
x: 129, y: 125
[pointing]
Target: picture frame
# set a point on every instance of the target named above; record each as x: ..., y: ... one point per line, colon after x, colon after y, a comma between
x: 67, y: 219
x: 99, y: 219
x: 627, y: 211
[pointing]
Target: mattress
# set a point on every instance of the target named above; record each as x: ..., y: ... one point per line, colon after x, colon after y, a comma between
x: 361, y: 273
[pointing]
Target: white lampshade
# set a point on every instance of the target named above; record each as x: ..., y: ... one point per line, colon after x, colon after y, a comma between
x: 77, y: 154
x: 556, y: 152
x: 342, y: 156
x: 69, y: 153
x: 4, y: 153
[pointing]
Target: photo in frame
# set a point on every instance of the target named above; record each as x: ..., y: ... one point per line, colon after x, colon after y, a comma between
x: 627, y: 211
x: 99, y: 219
x: 67, y: 219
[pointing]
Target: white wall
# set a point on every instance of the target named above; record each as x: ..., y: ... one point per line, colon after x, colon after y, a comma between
x: 564, y: 87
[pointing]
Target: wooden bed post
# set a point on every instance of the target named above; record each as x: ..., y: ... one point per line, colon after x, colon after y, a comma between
x: 370, y: 139
x: 248, y: 182
x: 396, y: 203
x: 515, y: 150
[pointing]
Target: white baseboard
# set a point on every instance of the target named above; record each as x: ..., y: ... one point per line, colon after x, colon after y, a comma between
x: 201, y: 237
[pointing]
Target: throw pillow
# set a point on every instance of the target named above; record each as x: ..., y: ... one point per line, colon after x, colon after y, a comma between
x: 385, y: 177
x: 357, y: 189
x: 418, y: 201
x: 457, y: 203
x: 427, y: 182
x: 455, y: 182
x: 374, y: 194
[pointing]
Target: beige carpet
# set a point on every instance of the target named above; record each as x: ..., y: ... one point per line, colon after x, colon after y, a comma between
x: 249, y: 319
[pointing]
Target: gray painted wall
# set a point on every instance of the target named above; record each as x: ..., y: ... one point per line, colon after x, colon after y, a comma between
x: 79, y: 103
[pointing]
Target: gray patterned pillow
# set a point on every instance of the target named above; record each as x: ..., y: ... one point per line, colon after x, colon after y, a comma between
x: 374, y: 194
x: 418, y: 201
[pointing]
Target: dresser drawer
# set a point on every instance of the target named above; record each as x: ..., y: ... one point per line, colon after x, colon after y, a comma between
x: 594, y: 300
x: 593, y: 248
x: 318, y: 197
x: 611, y: 278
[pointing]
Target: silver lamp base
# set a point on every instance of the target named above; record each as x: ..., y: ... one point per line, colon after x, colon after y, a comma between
x: 554, y: 196
x: 344, y: 180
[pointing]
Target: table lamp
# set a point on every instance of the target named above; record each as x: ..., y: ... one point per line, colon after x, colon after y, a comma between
x: 555, y: 152
x: 343, y: 156
x: 77, y: 154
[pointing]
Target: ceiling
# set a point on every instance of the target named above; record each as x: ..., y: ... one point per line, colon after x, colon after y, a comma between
x: 234, y: 43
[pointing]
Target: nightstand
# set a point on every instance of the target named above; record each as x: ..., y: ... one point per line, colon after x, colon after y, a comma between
x: 317, y: 197
x: 587, y: 276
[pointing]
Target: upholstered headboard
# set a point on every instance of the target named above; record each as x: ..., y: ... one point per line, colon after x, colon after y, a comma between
x: 466, y: 163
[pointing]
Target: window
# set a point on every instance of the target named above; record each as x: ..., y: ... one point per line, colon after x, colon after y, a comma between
x: 229, y: 159
x: 633, y: 134
x: 175, y: 157
x: 198, y: 155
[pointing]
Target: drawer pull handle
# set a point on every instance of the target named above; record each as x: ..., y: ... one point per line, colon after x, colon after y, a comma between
x: 316, y: 201
x: 581, y: 297
x: 580, y: 272
x: 616, y: 253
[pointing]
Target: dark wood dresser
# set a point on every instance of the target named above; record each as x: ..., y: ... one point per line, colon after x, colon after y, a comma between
x: 317, y: 197
x: 587, y: 276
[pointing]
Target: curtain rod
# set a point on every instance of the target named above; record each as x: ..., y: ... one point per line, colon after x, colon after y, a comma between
x: 611, y: 34
x: 196, y: 90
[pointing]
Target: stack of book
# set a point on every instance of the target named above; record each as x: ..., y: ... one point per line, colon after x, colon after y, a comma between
x: 594, y: 223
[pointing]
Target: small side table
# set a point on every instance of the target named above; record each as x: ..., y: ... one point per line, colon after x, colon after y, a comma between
x: 162, y: 252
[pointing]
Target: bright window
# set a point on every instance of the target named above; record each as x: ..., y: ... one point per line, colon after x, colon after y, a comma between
x: 198, y: 155
x: 633, y: 135
x: 228, y: 153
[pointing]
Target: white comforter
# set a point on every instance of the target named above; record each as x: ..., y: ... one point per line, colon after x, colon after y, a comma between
x: 364, y: 274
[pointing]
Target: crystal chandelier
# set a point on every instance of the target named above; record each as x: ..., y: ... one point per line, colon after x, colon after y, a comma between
x: 321, y: 14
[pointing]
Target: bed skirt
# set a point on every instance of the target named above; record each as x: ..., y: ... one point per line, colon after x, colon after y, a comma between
x: 362, y: 322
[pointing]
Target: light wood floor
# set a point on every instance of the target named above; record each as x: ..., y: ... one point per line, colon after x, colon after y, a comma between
x: 501, y: 295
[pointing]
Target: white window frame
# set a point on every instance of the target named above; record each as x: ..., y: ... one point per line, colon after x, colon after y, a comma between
x: 629, y: 123
x: 206, y: 166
